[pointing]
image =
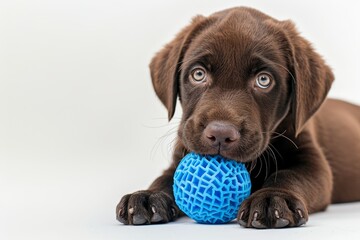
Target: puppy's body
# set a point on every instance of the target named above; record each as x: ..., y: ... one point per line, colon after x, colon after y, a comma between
x: 336, y: 129
x: 251, y: 90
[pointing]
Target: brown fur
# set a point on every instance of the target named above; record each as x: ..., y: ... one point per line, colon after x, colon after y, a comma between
x: 302, y: 154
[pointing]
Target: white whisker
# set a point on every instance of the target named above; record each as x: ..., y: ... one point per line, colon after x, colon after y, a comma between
x: 287, y: 138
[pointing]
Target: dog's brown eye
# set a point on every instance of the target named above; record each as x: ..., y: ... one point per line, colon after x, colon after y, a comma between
x: 263, y: 80
x: 198, y: 75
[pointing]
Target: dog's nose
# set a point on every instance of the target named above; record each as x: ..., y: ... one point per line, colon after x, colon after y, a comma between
x: 221, y: 134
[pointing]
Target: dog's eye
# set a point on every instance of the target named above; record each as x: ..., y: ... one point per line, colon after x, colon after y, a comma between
x: 198, y: 75
x: 263, y: 80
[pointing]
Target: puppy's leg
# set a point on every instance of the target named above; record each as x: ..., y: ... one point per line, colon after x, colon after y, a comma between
x: 288, y: 196
x: 154, y: 205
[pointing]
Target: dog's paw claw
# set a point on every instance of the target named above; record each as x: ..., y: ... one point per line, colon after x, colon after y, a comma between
x: 156, y: 217
x: 119, y: 214
x: 302, y: 219
x: 131, y: 210
x: 255, y: 223
x: 153, y: 209
x: 240, y: 219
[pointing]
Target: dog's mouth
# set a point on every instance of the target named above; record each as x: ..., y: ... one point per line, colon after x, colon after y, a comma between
x: 238, y: 156
x: 240, y: 153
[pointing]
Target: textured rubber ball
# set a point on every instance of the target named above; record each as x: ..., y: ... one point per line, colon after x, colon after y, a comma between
x: 210, y: 189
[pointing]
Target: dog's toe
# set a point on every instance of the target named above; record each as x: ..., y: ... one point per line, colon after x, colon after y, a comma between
x: 139, y: 219
x: 281, y: 222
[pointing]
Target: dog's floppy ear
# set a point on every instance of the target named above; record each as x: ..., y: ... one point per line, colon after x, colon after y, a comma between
x: 312, y: 77
x: 165, y: 65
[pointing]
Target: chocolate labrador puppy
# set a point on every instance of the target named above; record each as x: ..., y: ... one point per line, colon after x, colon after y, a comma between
x: 253, y: 90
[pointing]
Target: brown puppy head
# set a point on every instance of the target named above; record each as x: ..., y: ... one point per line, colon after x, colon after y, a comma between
x: 239, y: 73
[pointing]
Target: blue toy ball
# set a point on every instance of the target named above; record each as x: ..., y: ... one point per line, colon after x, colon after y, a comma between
x: 210, y: 189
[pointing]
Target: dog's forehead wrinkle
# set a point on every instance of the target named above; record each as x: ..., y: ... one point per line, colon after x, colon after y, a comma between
x: 230, y: 33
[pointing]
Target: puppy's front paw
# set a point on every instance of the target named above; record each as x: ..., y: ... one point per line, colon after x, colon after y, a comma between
x: 272, y: 208
x: 146, y: 207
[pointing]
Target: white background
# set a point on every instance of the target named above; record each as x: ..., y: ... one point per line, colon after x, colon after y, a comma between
x: 80, y: 125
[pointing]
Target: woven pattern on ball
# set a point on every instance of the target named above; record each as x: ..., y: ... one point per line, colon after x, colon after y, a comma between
x: 210, y: 189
